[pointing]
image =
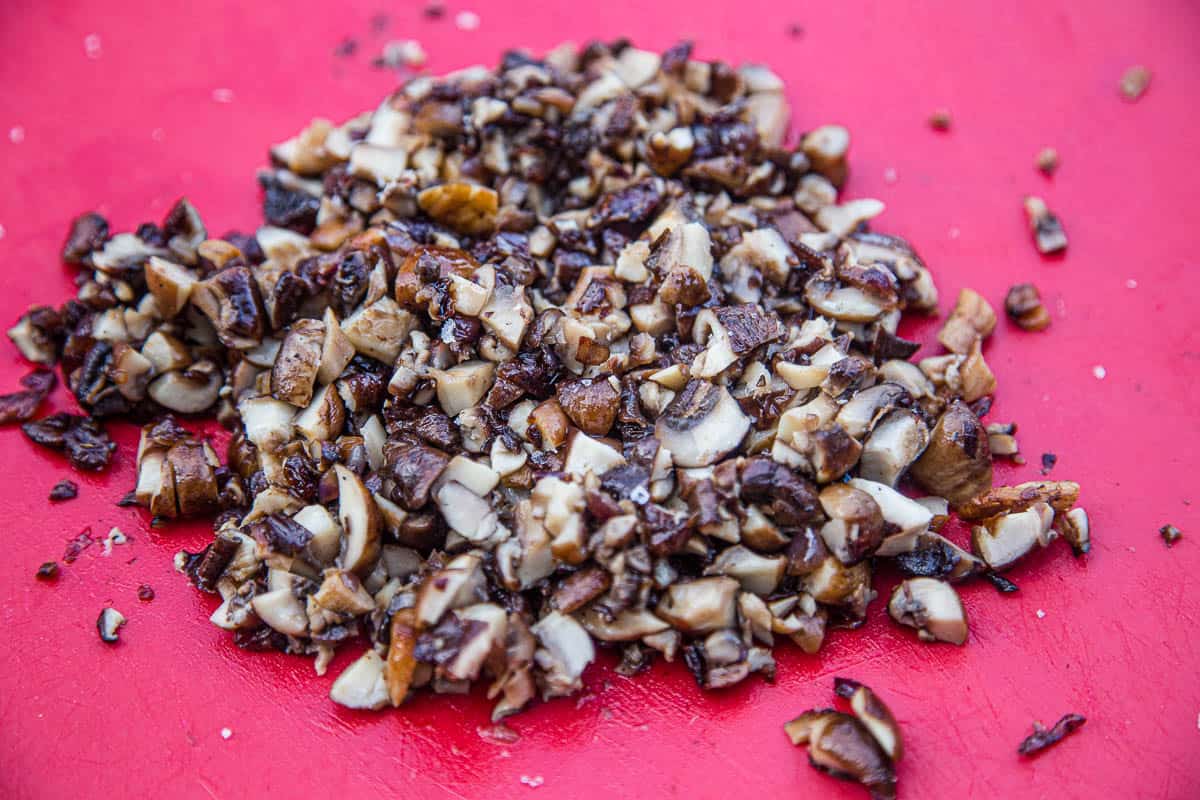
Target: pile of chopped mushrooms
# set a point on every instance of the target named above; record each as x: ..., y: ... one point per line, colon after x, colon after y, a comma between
x: 579, y: 351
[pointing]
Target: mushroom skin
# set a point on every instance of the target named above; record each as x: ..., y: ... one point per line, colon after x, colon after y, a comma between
x: 957, y: 463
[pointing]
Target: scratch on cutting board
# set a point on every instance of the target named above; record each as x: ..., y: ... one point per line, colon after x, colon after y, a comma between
x: 204, y: 785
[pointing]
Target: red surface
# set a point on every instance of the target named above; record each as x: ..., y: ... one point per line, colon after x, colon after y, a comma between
x: 1117, y: 642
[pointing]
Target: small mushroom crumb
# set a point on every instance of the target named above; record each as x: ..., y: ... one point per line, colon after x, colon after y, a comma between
x: 1002, y: 584
x: 222, y: 95
x: 346, y: 47
x: 939, y: 120
x: 1047, y: 160
x: 1041, y: 614
x: 64, y: 490
x: 92, y: 47
x: 434, y: 10
x: 1170, y: 534
x: 1042, y: 737
x: 145, y: 593
x: 406, y: 53
x: 466, y: 20
x: 1023, y: 305
x: 226, y: 733
x: 1048, y: 233
x: 115, y: 536
x: 77, y: 545
x: 795, y: 30
x: 1099, y: 372
x: 532, y: 781
x: 47, y: 571
x: 1048, y: 462
x: 109, y: 624
x: 1134, y: 82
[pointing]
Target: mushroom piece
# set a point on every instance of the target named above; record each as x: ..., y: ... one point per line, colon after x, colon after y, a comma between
x: 932, y: 607
x: 931, y: 555
x: 336, y: 350
x: 297, y: 363
x: 842, y: 746
x: 460, y: 583
x: 855, y: 526
x: 565, y: 651
x: 1076, y: 529
x: 1004, y: 540
x: 324, y: 417
x: 231, y: 301
x: 957, y: 464
x: 683, y: 256
x: 1023, y: 304
x: 170, y: 283
x: 282, y: 611
x: 845, y: 303
x: 485, y: 625
x: 361, y: 521
x: 629, y: 625
x: 267, y: 422
x: 462, y: 386
x: 362, y: 684
x: 189, y: 391
x: 730, y: 332
x: 875, y: 716
x: 587, y: 455
x: 109, y: 625
x: 379, y: 330
x: 756, y: 573
x: 971, y: 320
x: 325, y: 542
x: 826, y: 147
x: 1059, y: 495
x: 1048, y: 233
x: 896, y: 441
x: 401, y: 661
x: 591, y: 403
x: 192, y: 464
x: 701, y: 425
x: 703, y: 605
x: 906, y: 514
x: 507, y: 315
x: 341, y: 592
x: 859, y: 414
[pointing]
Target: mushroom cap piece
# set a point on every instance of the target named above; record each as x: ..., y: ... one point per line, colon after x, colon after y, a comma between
x: 360, y: 520
x: 701, y: 425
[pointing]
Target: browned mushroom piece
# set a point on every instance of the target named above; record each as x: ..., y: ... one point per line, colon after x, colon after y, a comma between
x: 874, y: 715
x: 1003, y: 540
x: 1059, y: 495
x: 360, y: 519
x: 297, y: 363
x: 591, y: 403
x: 1042, y: 737
x: 1023, y: 304
x: 971, y: 320
x: 957, y: 463
x: 1048, y: 233
x: 842, y: 746
x: 855, y: 526
x: 231, y: 301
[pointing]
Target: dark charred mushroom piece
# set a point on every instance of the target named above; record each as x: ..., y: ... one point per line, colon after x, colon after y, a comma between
x: 957, y: 464
x: 64, y: 490
x: 1042, y: 737
x: 109, y: 625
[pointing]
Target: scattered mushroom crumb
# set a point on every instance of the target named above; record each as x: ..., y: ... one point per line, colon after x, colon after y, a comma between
x: 1134, y: 82
x: 91, y: 46
x: 795, y: 30
x: 1042, y: 737
x: 346, y: 47
x: 226, y: 733
x: 466, y: 20
x: 47, y: 571
x: 65, y: 489
x: 1041, y: 614
x: 434, y: 10
x: 16, y: 134
x: 1023, y: 305
x: 401, y: 53
x: 498, y: 733
x: 1048, y: 233
x: 1048, y: 462
x: 380, y: 22
x: 1002, y: 584
x: 109, y: 625
x: 939, y: 120
x: 222, y: 95
x: 532, y: 782
x: 1170, y: 534
x: 145, y: 593
x: 1131, y: 284
x: 889, y: 175
x: 77, y: 545
x: 1047, y: 160
x: 1099, y: 372
x: 115, y: 536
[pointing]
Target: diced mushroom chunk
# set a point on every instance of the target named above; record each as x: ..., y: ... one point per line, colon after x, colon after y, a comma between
x: 932, y: 607
x: 701, y: 425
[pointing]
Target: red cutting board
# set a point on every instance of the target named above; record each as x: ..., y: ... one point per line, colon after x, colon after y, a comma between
x: 1112, y: 636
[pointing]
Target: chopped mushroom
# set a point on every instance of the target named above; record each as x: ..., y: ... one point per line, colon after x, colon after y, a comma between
x: 843, y: 747
x: 109, y: 625
x: 932, y: 607
x: 1023, y: 304
x: 1048, y: 232
x: 1170, y: 534
x: 1041, y: 738
x: 873, y: 714
x: 579, y: 349
x: 1134, y: 82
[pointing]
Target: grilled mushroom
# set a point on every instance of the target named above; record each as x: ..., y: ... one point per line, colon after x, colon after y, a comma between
x: 957, y: 464
x: 875, y: 716
x: 295, y: 370
x: 842, y: 746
